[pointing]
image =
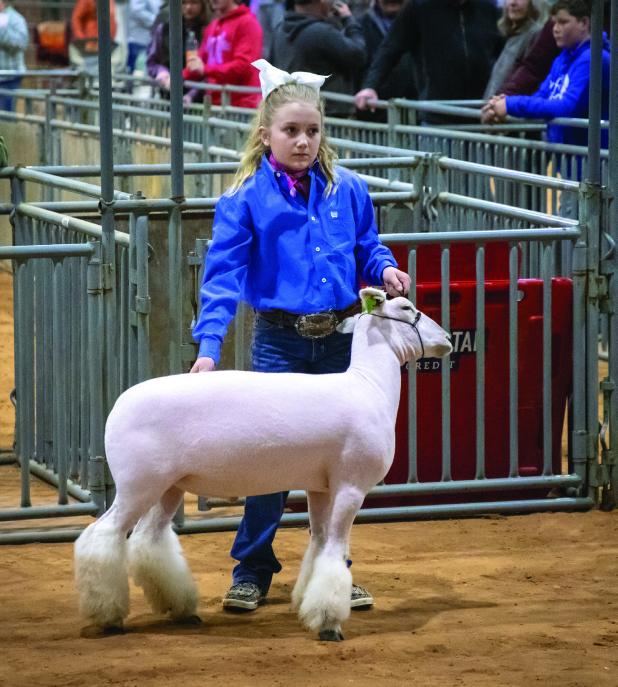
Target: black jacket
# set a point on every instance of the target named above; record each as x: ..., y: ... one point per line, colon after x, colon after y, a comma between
x: 453, y: 43
x: 400, y: 82
x: 307, y: 43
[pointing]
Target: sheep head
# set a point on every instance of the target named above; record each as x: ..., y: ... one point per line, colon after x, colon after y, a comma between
x: 423, y: 337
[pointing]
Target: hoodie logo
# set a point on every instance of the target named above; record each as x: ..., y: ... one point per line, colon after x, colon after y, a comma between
x: 216, y: 46
x: 559, y: 87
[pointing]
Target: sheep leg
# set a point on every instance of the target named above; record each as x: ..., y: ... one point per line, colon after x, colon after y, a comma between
x: 326, y: 603
x: 319, y: 507
x: 101, y: 565
x: 157, y: 563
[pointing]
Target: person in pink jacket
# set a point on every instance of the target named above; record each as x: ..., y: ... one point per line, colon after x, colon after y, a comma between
x: 231, y: 43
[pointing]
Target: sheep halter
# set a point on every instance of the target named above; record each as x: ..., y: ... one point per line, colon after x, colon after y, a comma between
x: 412, y: 324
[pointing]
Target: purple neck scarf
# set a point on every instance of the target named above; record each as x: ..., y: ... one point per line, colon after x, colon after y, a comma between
x: 298, y: 182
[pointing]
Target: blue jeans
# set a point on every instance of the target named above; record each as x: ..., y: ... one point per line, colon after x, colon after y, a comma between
x: 7, y: 102
x: 133, y: 52
x: 279, y: 349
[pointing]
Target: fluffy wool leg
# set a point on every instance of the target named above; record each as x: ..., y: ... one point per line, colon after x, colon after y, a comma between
x: 306, y: 570
x: 319, y: 510
x: 101, y: 574
x: 157, y: 564
x: 326, y: 602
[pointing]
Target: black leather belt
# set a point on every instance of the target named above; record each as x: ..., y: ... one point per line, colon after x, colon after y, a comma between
x: 313, y: 325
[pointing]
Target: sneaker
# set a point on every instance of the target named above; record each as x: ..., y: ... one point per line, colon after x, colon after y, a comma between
x: 361, y: 598
x: 244, y: 596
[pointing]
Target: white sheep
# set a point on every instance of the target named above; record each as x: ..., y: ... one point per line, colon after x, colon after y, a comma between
x: 228, y: 433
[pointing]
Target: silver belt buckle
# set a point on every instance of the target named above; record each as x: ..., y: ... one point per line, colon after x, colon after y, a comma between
x: 316, y: 326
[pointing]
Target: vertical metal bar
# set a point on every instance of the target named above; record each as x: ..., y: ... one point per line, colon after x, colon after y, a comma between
x: 446, y: 365
x: 75, y: 297
x: 595, y: 93
x: 612, y: 184
x: 21, y: 420
x: 176, y: 109
x: 96, y: 468
x: 59, y: 387
x: 412, y: 414
x: 124, y: 329
x: 589, y: 219
x: 84, y: 385
x: 26, y: 397
x: 142, y: 298
x: 547, y: 252
x: 207, y: 179
x: 19, y: 278
x: 177, y: 187
x: 46, y: 360
x: 131, y: 352
x: 175, y: 291
x: 39, y: 352
x: 107, y: 197
x: 480, y: 362
x: 513, y: 362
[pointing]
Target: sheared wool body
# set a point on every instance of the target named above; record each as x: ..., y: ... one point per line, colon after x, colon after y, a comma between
x: 249, y: 433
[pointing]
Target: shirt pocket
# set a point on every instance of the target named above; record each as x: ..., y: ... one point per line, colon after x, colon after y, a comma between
x: 339, y: 225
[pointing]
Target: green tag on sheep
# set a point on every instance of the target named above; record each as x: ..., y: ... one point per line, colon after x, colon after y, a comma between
x: 369, y: 303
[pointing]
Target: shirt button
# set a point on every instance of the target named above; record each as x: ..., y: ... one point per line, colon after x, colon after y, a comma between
x: 313, y: 219
x: 317, y: 250
x: 323, y: 280
x: 278, y: 174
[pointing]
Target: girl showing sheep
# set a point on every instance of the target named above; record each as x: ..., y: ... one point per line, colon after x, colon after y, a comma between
x: 293, y: 237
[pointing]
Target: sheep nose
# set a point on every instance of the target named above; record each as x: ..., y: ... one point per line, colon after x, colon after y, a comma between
x: 444, y: 349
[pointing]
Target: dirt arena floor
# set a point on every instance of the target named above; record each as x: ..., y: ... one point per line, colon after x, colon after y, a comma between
x: 483, y: 602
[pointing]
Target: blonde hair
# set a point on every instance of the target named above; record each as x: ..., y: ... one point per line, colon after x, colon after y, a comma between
x: 537, y: 13
x: 255, y: 149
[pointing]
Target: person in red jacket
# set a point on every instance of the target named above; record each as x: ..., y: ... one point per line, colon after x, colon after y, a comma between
x: 231, y: 43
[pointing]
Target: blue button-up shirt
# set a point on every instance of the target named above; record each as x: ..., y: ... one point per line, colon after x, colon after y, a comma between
x: 275, y: 250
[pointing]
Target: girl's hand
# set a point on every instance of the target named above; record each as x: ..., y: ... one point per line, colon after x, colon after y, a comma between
x: 203, y: 364
x: 396, y: 282
x: 163, y: 80
x: 195, y: 66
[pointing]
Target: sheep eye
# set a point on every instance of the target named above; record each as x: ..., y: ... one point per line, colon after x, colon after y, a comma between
x: 406, y: 307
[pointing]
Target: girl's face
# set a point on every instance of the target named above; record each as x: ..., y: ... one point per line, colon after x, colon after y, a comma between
x: 294, y: 135
x: 192, y: 9
x: 221, y: 7
x: 517, y: 10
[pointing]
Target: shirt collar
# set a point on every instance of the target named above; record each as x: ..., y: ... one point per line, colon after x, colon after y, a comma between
x: 298, y: 182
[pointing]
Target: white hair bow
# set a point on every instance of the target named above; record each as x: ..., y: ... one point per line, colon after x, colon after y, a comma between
x: 271, y: 77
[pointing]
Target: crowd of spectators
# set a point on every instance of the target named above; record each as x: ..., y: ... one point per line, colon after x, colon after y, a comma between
x: 510, y: 53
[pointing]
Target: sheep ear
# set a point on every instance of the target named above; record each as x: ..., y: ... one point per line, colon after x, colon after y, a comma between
x: 371, y: 297
x: 347, y: 326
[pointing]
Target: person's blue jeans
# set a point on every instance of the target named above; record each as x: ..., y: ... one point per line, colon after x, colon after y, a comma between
x: 7, y: 102
x: 134, y: 50
x: 279, y: 349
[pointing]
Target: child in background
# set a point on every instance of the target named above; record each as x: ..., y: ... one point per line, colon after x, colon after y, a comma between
x: 564, y: 93
x: 194, y: 19
x: 293, y: 237
x: 232, y: 41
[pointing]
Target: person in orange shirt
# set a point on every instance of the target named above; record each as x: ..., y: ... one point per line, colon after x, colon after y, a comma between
x: 84, y: 26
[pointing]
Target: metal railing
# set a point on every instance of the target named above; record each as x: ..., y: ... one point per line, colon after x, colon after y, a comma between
x: 538, y: 248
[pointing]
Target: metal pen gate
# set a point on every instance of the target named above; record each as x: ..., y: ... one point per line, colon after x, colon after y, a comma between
x: 120, y: 356
x: 435, y: 189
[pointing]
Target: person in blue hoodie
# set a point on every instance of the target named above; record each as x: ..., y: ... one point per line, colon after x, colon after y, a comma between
x: 564, y: 93
x: 293, y: 236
